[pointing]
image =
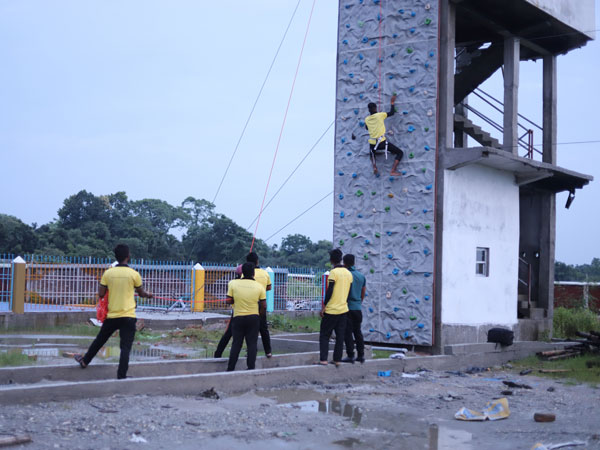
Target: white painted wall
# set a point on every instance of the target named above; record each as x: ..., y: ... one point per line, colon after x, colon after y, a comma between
x: 481, y: 209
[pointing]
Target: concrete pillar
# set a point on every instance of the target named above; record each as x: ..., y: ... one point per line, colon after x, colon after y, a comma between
x: 460, y: 138
x: 447, y: 35
x: 18, y: 285
x: 549, y: 110
x: 271, y: 293
x: 198, y: 279
x: 586, y: 295
x: 512, y: 58
x: 547, y: 251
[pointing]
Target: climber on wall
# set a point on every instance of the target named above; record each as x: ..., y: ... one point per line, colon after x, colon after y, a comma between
x: 377, y: 140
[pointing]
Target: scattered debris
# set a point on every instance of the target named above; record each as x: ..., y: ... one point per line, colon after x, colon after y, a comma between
x: 95, y: 322
x: 104, y: 410
x: 194, y: 424
x: 397, y: 356
x: 554, y: 370
x: 496, y: 410
x: 540, y: 446
x: 209, y: 393
x: 384, y: 373
x: 550, y: 389
x: 507, y: 392
x: 512, y: 384
x: 410, y: 375
x: 525, y: 372
x: 450, y: 396
x: 16, y: 439
x: 472, y: 370
x: 458, y: 373
x: 138, y: 439
x: 544, y: 417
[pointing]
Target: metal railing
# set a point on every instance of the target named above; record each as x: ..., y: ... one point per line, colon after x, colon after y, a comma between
x: 6, y: 281
x: 524, y: 277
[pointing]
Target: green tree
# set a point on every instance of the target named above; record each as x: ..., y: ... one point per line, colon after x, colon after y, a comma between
x: 15, y: 236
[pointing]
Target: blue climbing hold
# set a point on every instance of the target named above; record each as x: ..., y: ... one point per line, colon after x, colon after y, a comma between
x: 412, y: 70
x: 375, y: 85
x: 370, y: 309
x: 345, y: 61
x: 425, y: 211
x: 347, y: 25
x: 356, y: 111
x: 405, y: 112
x: 427, y: 148
x: 391, y: 77
x: 426, y: 251
x: 395, y: 35
x: 429, y: 187
x: 432, y: 54
x: 420, y: 325
x: 361, y: 123
x: 411, y: 128
x: 413, y: 14
x: 390, y: 256
x: 388, y: 335
x: 412, y: 30
x: 376, y: 2
x: 349, y: 154
x: 417, y: 301
x: 401, y: 11
x: 367, y: 242
x: 395, y: 271
x: 341, y: 196
x: 365, y: 39
x: 377, y: 175
x: 426, y: 64
x: 343, y: 140
x: 391, y: 178
x: 389, y: 233
x: 359, y: 216
x: 351, y: 75
x: 379, y: 17
x: 360, y: 96
x: 403, y: 172
x: 354, y: 175
x: 360, y: 56
x: 408, y: 272
x: 345, y: 42
x: 342, y: 214
x: 393, y: 54
x: 411, y: 89
x: 345, y: 99
x: 396, y: 309
x: 426, y: 297
x: 371, y: 330
x: 373, y: 43
x: 340, y: 173
x: 406, y: 335
x: 426, y: 274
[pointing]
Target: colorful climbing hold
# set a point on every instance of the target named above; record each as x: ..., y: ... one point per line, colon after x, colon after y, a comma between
x: 377, y: 235
x: 406, y: 335
x: 373, y: 192
x: 395, y: 271
x: 415, y: 227
x: 388, y: 294
x: 408, y: 272
x: 393, y: 54
x: 427, y: 148
x: 347, y: 25
x: 367, y: 242
x: 410, y: 241
x: 340, y: 173
x: 359, y: 216
x: 373, y: 43
x: 390, y: 195
x: 387, y: 209
x: 348, y: 153
x: 360, y: 56
x: 375, y: 85
x: 404, y: 291
x: 341, y: 242
x: 428, y: 187
x: 361, y: 123
x: 413, y: 14
x: 359, y: 193
x: 411, y: 155
x: 426, y: 128
x: 423, y: 169
x: 410, y: 128
x: 372, y: 270
x: 351, y: 75
x: 425, y: 211
x: 409, y: 50
x: 411, y: 89
x: 353, y: 235
x: 342, y: 214
x: 412, y: 30
x: 426, y: 297
x: 403, y: 172
x: 365, y: 256
x: 420, y: 325
x: 417, y: 301
x: 391, y: 178
x: 370, y: 309
x: 343, y: 140
x: 426, y: 274
x: 388, y: 335
x: 413, y: 317
x: 396, y: 309
x: 365, y: 39
x: 354, y: 175
x: 361, y: 23
x: 356, y: 111
x: 341, y: 196
x: 426, y: 251
x: 391, y: 77
x: 395, y: 35
x: 427, y: 226
x: 345, y: 42
x: 426, y: 64
x: 390, y: 256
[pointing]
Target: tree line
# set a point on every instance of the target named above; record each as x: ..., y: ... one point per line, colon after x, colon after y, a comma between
x: 581, y: 272
x: 90, y: 225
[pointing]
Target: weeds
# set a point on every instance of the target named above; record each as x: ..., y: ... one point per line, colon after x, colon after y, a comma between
x: 14, y: 358
x: 567, y: 321
x: 577, y: 369
x: 307, y: 324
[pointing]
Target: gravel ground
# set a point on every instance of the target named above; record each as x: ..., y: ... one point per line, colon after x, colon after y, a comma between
x: 379, y: 413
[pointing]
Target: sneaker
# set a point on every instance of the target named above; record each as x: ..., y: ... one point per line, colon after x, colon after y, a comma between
x: 348, y: 359
x: 361, y: 359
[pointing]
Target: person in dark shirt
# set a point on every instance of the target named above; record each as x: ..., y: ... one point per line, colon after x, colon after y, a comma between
x: 354, y: 323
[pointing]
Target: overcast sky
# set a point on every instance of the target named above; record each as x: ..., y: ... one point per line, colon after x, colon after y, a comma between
x: 150, y: 97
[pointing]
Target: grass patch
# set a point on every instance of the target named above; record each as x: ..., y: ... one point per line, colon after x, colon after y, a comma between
x: 576, y: 367
x: 567, y: 321
x: 82, y: 329
x: 307, y: 324
x: 383, y: 354
x: 14, y: 358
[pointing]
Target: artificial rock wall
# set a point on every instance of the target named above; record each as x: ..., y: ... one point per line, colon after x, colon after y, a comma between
x: 387, y: 46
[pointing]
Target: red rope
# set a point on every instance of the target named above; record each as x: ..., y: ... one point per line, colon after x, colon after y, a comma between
x: 282, y: 126
x: 380, y: 50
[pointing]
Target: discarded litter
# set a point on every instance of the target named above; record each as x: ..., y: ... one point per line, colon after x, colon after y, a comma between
x: 410, y: 375
x: 397, y: 356
x: 495, y: 410
x: 544, y: 417
x: 507, y: 392
x: 137, y: 438
x: 209, y: 393
x: 456, y: 372
x: 512, y: 384
x: 540, y: 446
x: 384, y: 373
x: 525, y: 372
x: 475, y: 369
x: 450, y: 396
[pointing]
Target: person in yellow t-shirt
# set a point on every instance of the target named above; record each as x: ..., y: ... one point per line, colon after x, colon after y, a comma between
x: 377, y: 141
x: 262, y: 276
x: 120, y: 281
x: 335, y: 309
x: 248, y: 297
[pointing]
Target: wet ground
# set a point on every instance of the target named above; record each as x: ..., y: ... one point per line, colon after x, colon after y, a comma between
x: 412, y: 411
x: 59, y: 349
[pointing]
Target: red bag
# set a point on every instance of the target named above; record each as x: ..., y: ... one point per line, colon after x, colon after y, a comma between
x: 102, y: 308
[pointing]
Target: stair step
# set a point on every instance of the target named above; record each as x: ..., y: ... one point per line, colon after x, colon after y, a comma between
x: 475, y: 131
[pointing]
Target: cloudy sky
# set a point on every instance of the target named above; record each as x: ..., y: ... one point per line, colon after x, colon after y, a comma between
x: 150, y: 97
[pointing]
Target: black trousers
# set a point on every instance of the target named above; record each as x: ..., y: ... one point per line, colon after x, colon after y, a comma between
x: 330, y: 323
x: 244, y: 328
x: 353, y: 329
x: 264, y: 336
x: 391, y: 148
x: 126, y: 327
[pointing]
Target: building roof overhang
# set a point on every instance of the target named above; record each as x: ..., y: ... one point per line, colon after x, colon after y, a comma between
x: 528, y: 172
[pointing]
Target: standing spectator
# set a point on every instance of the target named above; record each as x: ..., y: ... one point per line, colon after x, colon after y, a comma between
x: 353, y: 325
x: 121, y: 282
x: 335, y: 307
x: 262, y: 276
x: 247, y: 297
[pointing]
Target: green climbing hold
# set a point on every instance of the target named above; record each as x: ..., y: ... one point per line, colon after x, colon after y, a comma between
x: 410, y: 240
x: 373, y: 192
x: 341, y: 242
x: 426, y: 128
x: 409, y: 50
x: 377, y: 235
x: 387, y: 209
x: 415, y: 227
x: 423, y: 170
x: 413, y: 317
x: 372, y: 270
x: 365, y: 256
x: 411, y: 155
x: 404, y: 291
x: 427, y: 227
x: 359, y: 193
x: 362, y: 24
x: 353, y: 235
x: 427, y: 21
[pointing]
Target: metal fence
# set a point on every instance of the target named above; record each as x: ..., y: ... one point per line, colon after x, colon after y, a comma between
x: 56, y: 283
x: 6, y: 281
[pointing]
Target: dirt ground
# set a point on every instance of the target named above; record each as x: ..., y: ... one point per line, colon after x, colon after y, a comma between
x: 394, y: 412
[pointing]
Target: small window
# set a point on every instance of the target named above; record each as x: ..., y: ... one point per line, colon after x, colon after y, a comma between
x: 482, y: 263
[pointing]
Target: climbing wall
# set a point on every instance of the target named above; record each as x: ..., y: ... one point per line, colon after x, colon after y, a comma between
x: 387, y: 47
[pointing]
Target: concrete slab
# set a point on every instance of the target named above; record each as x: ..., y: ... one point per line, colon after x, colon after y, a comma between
x: 242, y: 381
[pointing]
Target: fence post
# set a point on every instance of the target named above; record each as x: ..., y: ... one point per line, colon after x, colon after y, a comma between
x: 18, y: 285
x: 271, y: 293
x: 586, y: 295
x: 324, y: 287
x: 198, y: 277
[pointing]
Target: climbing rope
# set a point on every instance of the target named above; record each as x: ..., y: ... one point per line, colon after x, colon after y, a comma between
x: 379, y: 53
x: 255, y: 102
x: 283, y: 124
